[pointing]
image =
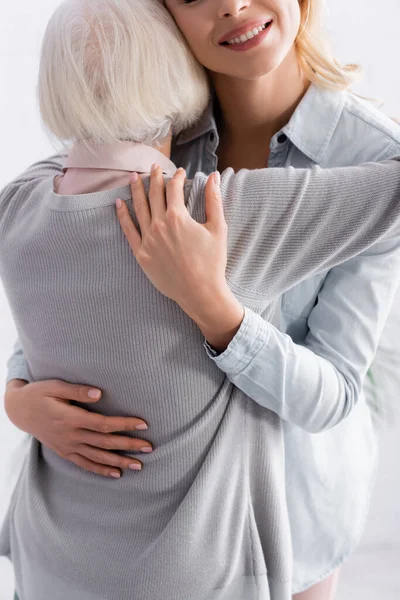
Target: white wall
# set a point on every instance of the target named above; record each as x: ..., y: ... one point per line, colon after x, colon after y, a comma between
x: 363, y: 31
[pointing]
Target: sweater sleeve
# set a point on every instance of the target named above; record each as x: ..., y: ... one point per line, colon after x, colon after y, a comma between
x: 17, y: 367
x: 301, y: 222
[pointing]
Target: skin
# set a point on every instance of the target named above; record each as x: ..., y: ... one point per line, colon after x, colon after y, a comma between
x: 264, y: 85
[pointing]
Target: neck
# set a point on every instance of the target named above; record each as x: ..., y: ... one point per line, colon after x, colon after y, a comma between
x: 165, y: 147
x: 264, y: 104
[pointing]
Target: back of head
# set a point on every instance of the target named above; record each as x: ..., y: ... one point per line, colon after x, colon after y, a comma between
x: 115, y: 70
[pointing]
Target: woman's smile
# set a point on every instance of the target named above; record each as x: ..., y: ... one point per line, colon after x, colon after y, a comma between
x: 247, y: 37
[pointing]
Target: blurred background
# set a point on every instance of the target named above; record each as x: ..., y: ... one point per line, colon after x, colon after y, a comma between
x: 362, y: 31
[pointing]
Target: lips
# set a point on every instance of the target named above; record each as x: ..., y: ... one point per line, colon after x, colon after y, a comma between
x: 245, y: 28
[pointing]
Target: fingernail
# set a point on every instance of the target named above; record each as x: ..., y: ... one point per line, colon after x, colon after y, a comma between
x: 94, y: 393
x: 135, y: 467
x: 118, y: 202
x: 141, y: 426
x: 115, y: 475
x: 154, y: 167
x: 217, y: 178
x: 146, y: 449
x: 134, y: 178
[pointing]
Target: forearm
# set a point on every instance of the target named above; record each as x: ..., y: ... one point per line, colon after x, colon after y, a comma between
x: 218, y: 314
x: 287, y: 378
x: 302, y: 222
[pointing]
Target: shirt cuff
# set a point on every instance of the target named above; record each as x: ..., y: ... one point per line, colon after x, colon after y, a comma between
x: 244, y: 346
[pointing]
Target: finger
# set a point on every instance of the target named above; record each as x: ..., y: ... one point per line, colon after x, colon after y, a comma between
x: 92, y: 467
x: 103, y: 424
x: 62, y: 390
x: 109, y: 458
x: 213, y: 202
x: 157, y: 198
x: 140, y: 204
x: 113, y: 442
x: 175, y: 190
x: 128, y: 227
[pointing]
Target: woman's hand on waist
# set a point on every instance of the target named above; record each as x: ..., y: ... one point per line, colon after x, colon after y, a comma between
x: 43, y: 409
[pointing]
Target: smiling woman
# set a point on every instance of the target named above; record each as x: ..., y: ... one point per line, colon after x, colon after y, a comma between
x: 207, y: 517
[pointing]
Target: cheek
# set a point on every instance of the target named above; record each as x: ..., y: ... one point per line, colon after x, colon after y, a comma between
x: 292, y: 18
x: 197, y: 35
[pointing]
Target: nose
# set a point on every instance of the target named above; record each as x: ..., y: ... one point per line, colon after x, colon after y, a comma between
x: 232, y: 8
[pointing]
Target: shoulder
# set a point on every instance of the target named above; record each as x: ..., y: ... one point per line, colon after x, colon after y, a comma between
x: 363, y: 133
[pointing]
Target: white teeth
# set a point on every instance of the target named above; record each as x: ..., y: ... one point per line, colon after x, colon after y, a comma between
x: 247, y: 36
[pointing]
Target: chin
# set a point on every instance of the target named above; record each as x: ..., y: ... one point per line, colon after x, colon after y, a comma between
x: 252, y: 70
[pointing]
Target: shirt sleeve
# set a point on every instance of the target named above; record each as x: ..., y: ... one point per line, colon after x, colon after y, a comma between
x: 317, y: 384
x: 302, y: 222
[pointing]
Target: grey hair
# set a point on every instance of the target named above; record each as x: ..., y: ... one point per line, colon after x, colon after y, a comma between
x: 114, y: 70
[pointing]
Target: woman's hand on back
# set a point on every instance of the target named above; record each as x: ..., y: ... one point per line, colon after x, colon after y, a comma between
x: 185, y: 260
x: 87, y: 439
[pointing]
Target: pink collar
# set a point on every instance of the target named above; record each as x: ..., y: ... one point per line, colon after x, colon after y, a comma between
x: 121, y: 156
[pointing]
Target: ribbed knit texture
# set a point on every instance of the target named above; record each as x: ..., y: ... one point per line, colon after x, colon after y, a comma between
x: 207, y: 515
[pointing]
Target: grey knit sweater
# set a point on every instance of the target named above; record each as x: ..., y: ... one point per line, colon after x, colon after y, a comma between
x: 206, y: 519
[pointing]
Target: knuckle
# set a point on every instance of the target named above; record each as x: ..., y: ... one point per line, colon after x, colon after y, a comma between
x: 97, y: 456
x: 174, y: 216
x: 140, y: 204
x: 108, y: 443
x: 104, y: 427
x: 159, y: 226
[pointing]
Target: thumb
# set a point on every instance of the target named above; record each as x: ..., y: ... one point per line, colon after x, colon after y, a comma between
x: 71, y: 391
x: 214, y: 206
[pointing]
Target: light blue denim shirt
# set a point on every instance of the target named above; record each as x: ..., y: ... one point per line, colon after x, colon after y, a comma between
x: 335, y: 321
x: 310, y: 369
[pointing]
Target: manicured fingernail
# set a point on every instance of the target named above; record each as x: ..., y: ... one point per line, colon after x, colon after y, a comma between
x: 146, y: 449
x: 135, y: 467
x: 217, y: 178
x: 115, y: 475
x: 94, y: 393
x: 141, y: 426
x: 154, y: 167
x: 134, y: 178
x: 118, y: 202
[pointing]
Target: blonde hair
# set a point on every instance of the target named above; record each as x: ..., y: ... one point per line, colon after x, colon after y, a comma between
x: 114, y: 70
x: 314, y: 55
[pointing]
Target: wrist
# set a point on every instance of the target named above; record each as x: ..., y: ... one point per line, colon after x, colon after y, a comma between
x: 219, y: 318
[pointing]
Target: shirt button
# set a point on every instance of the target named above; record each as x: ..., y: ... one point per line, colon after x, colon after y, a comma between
x: 282, y: 138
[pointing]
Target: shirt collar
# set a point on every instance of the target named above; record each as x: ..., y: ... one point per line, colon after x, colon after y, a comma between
x: 121, y: 156
x: 310, y: 128
x: 314, y: 121
x: 205, y: 124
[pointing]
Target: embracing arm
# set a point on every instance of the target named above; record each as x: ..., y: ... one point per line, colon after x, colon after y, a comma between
x: 300, y: 222
x: 316, y: 385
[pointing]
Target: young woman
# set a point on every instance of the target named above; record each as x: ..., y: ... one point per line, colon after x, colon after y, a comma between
x: 322, y: 392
